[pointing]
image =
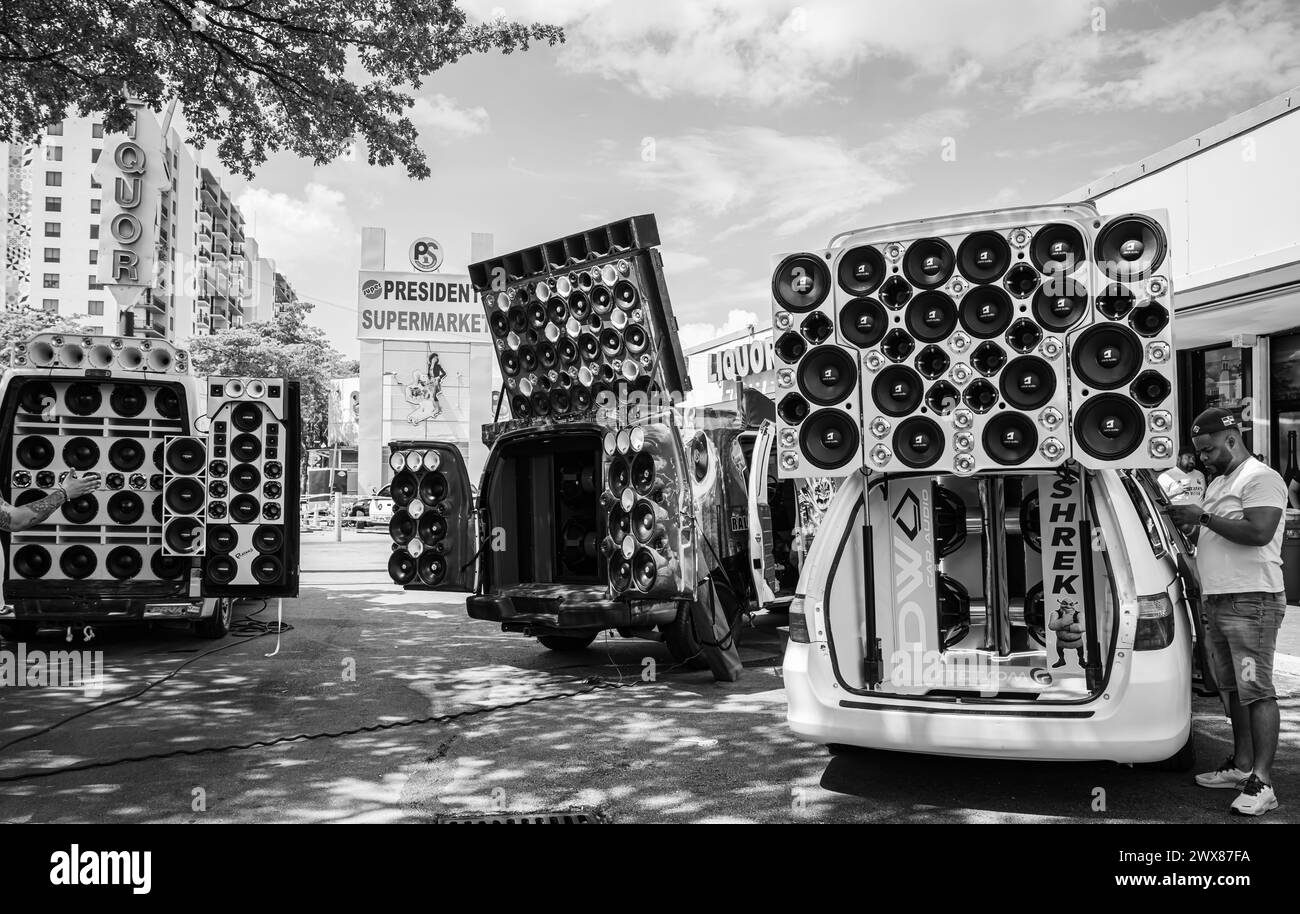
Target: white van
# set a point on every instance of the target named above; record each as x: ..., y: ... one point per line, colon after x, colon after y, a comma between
x: 902, y: 637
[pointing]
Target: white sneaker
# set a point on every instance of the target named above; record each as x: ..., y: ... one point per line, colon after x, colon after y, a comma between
x: 1255, y: 799
x: 1226, y: 775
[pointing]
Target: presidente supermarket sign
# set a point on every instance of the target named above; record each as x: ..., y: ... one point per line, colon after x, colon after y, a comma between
x: 418, y: 306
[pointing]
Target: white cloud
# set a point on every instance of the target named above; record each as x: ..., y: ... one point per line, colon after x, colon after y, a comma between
x: 751, y: 176
x: 678, y: 261
x: 698, y: 332
x: 445, y: 120
x: 298, y: 231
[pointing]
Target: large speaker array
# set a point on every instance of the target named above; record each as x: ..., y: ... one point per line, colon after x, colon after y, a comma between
x: 1021, y: 338
x: 251, y: 545
x: 644, y: 538
x: 115, y: 428
x: 580, y: 316
x: 57, y: 351
x: 431, y: 520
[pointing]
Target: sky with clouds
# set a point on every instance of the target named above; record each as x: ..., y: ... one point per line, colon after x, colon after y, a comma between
x: 752, y: 128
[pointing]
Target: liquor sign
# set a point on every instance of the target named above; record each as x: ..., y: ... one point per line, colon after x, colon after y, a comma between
x: 745, y: 360
x: 135, y: 172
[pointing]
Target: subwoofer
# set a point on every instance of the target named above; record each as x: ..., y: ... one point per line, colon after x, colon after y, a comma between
x: 1109, y: 427
x: 1106, y: 356
x: 829, y: 439
x: 1130, y: 247
x: 983, y: 256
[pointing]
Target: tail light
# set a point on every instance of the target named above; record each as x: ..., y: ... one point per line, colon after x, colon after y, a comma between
x: 799, y: 633
x: 1155, y: 628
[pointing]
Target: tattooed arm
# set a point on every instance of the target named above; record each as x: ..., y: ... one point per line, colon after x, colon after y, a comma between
x: 29, y: 515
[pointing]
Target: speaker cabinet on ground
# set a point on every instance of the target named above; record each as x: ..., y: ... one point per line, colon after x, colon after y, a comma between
x: 580, y: 316
x: 1020, y: 338
x: 431, y: 527
x: 61, y: 423
x: 252, y: 543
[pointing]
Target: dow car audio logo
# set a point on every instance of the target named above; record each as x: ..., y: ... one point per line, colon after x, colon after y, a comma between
x: 908, y: 515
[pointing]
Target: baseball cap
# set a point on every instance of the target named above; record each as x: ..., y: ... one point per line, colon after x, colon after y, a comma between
x: 1214, y: 420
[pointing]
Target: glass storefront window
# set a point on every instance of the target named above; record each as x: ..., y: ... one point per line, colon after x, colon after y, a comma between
x: 1284, y: 391
x: 1219, y: 377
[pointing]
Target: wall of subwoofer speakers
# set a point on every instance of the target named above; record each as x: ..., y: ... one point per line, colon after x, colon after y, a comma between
x: 432, y: 517
x: 74, y: 352
x: 114, y: 427
x: 579, y: 316
x: 252, y: 488
x: 645, y: 539
x: 1020, y: 338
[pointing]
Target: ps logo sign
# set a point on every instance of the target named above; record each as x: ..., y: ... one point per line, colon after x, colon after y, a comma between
x: 426, y: 255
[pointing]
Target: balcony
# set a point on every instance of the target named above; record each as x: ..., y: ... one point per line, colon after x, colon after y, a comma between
x: 219, y: 322
x: 205, y: 220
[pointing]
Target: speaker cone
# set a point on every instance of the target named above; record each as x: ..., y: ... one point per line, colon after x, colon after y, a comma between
x: 986, y: 312
x: 954, y: 611
x: 931, y: 317
x: 520, y: 407
x: 620, y: 475
x: 246, y: 417
x: 1130, y: 247
x: 182, y: 534
x: 1151, y: 389
x: 267, y: 569
x: 401, y: 567
x: 82, y: 399
x: 185, y: 456
x: 167, y: 567
x: 625, y: 295
x: 167, y: 404
x: 898, y: 345
x: 221, y: 569
x: 510, y: 364
x: 78, y: 562
x: 602, y: 302
x: 36, y: 397
x: 949, y: 521
x: 932, y: 362
x: 432, y: 568
x: 645, y: 570
x: 184, y: 495
x: 32, y: 561
x: 829, y: 439
x: 1109, y: 427
x: 35, y: 452
x: 1021, y: 280
x: 827, y: 375
x: 499, y: 325
x: 433, y: 488
x: 792, y: 409
x: 817, y: 327
x: 126, y: 454
x: 983, y: 256
x: 431, y: 528
x: 579, y: 306
x: 31, y: 495
x: 1059, y: 304
x: 643, y: 473
x: 568, y: 351
x: 244, y: 509
x: 988, y: 358
x: 620, y: 573
x: 245, y: 478
x: 800, y: 283
x: 918, y: 442
x: 246, y: 448
x: 125, y: 508
x: 1058, y: 248
x: 611, y: 342
x: 547, y: 357
x: 1115, y: 302
x: 791, y: 347
x: 1031, y: 524
x: 81, y: 453
x: 1028, y: 383
x: 1107, y: 356
x: 557, y: 310
x: 980, y: 395
x: 942, y: 398
x: 540, y: 404
x: 517, y: 319
x: 1149, y: 319
x: 222, y: 538
x: 123, y: 563
x: 928, y: 262
x: 127, y: 400
x: 1010, y: 438
x: 81, y: 510
x: 897, y: 391
x: 863, y: 322
x: 895, y: 292
x: 861, y: 270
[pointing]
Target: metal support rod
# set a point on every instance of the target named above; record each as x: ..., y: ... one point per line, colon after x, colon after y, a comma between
x: 997, y: 599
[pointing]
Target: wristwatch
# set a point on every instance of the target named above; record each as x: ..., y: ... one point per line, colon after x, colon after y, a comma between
x: 1205, y: 519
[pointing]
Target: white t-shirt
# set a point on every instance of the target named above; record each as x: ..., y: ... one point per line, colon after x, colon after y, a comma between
x: 1180, y: 486
x: 1228, y: 567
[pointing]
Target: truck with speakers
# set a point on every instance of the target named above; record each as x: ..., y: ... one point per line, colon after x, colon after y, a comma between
x: 198, y: 486
x: 995, y: 576
x: 603, y: 504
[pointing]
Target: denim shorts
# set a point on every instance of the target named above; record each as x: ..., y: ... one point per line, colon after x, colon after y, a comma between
x: 1241, y: 629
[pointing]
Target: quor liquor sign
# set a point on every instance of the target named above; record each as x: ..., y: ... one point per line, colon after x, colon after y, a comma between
x: 135, y: 172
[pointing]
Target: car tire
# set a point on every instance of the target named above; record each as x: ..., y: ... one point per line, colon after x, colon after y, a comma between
x: 1182, y: 760
x: 565, y: 643
x: 218, y: 624
x: 18, y: 631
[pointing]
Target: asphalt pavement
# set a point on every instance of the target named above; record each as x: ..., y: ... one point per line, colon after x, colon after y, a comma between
x: 550, y: 732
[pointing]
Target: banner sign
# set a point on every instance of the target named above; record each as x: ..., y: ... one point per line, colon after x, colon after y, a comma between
x: 135, y: 172
x: 1060, y: 505
x: 418, y: 306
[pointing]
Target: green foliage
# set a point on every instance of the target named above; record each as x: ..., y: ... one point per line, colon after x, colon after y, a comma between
x: 283, y: 347
x: 21, y: 324
x: 253, y: 76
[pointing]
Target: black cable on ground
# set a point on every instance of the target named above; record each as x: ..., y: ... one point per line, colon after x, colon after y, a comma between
x: 594, y: 685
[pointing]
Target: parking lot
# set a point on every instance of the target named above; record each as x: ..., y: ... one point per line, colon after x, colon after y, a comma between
x: 362, y: 652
